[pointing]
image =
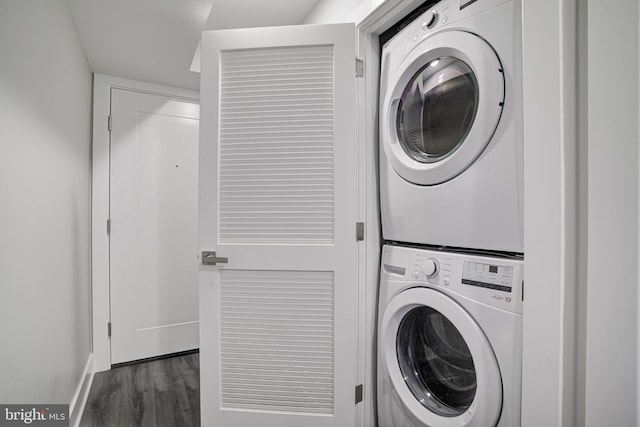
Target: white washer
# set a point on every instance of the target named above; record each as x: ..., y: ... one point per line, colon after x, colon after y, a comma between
x: 451, y: 152
x: 449, y: 339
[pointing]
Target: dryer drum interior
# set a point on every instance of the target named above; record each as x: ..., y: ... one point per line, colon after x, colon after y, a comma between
x: 437, y: 109
x: 436, y: 362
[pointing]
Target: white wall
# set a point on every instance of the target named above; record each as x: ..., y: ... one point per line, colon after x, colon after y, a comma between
x: 612, y: 287
x: 45, y: 116
x: 332, y: 11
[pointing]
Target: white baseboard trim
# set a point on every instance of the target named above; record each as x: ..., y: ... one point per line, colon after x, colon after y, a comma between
x: 76, y: 407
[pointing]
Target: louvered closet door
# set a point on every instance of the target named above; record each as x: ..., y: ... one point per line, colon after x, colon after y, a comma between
x: 278, y: 198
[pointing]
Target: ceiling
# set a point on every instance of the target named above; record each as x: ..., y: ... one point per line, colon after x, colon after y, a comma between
x: 233, y: 13
x: 155, y: 40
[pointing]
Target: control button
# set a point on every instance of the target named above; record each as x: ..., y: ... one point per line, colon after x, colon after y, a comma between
x: 416, y: 274
x: 446, y: 281
x: 429, y: 267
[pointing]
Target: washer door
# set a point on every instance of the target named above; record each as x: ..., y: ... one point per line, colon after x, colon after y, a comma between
x: 439, y: 361
x: 444, y: 107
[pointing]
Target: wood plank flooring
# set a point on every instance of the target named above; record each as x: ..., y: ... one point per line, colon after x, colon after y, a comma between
x: 155, y: 394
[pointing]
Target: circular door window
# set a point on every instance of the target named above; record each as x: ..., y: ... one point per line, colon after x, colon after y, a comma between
x: 442, y: 106
x: 442, y: 367
x: 436, y: 362
x: 437, y: 109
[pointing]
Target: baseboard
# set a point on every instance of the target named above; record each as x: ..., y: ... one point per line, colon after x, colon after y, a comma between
x: 76, y: 407
x: 154, y: 358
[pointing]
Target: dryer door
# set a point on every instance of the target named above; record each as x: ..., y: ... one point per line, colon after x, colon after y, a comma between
x: 443, y: 108
x: 439, y: 361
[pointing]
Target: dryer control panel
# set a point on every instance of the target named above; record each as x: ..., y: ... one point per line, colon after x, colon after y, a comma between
x: 444, y: 13
x: 429, y: 22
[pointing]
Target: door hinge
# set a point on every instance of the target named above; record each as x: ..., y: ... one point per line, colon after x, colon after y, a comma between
x: 359, y: 392
x: 109, y: 123
x: 359, y: 68
x: 108, y: 225
x: 359, y: 231
x: 109, y: 329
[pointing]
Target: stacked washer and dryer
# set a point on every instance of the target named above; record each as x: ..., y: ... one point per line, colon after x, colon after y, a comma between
x: 451, y: 196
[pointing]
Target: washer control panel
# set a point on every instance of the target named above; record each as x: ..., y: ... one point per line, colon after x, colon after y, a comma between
x: 491, y: 280
x: 497, y: 277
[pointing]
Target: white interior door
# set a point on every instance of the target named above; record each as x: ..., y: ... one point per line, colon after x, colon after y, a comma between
x: 278, y: 198
x: 153, y: 211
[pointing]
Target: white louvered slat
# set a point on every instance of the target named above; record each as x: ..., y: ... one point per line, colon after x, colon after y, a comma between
x: 276, y: 146
x: 276, y: 340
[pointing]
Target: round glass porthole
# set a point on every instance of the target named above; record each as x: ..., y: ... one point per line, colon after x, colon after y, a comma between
x: 435, y: 362
x: 437, y: 109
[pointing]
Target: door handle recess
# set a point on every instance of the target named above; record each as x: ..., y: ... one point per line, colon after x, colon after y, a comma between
x: 210, y: 258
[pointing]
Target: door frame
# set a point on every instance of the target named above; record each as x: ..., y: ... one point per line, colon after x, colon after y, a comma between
x: 371, y: 21
x: 100, y: 161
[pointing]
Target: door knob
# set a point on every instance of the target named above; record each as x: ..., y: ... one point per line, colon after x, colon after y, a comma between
x: 210, y: 258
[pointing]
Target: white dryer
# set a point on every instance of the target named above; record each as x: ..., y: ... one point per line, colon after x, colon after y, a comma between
x: 451, y: 151
x: 449, y: 339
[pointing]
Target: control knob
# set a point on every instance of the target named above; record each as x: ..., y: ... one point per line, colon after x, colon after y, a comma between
x: 429, y: 267
x: 430, y: 20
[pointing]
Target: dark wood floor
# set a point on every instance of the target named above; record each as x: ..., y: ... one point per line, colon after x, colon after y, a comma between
x: 156, y: 394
